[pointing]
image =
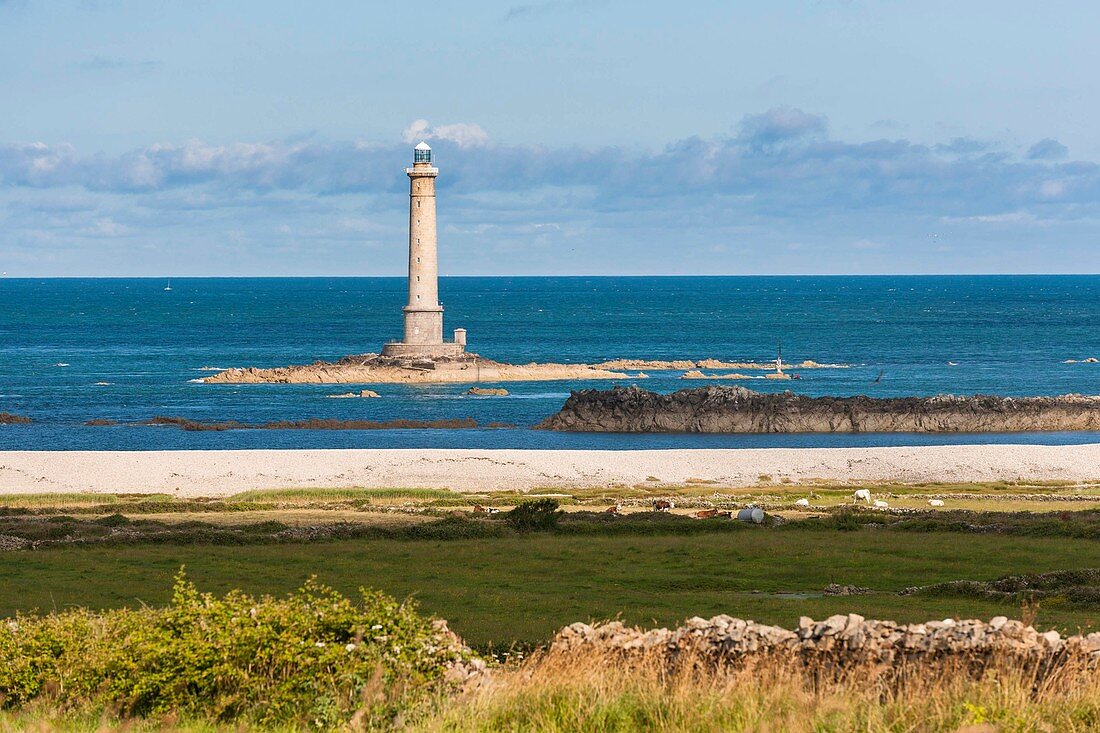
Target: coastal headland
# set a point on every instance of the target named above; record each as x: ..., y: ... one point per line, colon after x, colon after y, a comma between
x: 720, y: 409
x: 197, y: 473
x: 468, y: 367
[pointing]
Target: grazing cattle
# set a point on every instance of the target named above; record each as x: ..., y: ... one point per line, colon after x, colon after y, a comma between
x: 705, y: 513
x: 863, y: 495
x: 935, y: 502
x: 616, y: 510
x: 802, y: 502
x: 663, y: 505
x: 880, y: 504
x: 478, y: 509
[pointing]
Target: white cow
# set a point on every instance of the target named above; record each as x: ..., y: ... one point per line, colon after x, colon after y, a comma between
x: 862, y: 495
x: 880, y: 504
x: 802, y: 502
x: 935, y: 502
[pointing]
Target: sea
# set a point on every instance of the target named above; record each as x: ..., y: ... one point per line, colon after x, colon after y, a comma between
x: 73, y: 350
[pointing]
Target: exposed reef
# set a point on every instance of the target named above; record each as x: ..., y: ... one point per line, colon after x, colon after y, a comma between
x: 739, y: 410
x: 658, y: 365
x: 487, y: 391
x: 361, y: 394
x: 696, y: 374
x: 375, y: 369
x: 322, y: 424
x: 6, y: 418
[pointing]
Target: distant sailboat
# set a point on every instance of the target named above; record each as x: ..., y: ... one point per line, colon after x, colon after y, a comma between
x: 168, y: 287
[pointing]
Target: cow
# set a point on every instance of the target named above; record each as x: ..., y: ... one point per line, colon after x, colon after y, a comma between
x: 935, y: 502
x: 880, y: 504
x: 664, y: 505
x: 614, y: 510
x: 705, y: 513
x: 802, y: 503
x: 863, y: 495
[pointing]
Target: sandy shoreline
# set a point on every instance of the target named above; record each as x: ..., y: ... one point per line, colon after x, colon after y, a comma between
x: 220, y: 473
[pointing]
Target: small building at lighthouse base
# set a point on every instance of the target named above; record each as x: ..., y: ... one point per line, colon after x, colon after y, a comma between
x: 437, y: 350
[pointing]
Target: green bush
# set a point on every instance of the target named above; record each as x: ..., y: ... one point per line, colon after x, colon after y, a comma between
x: 312, y: 659
x: 541, y: 514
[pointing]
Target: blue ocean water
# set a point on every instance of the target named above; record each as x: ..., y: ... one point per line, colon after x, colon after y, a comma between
x: 131, y: 349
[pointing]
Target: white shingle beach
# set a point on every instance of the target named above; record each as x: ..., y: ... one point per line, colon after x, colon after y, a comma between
x: 221, y: 473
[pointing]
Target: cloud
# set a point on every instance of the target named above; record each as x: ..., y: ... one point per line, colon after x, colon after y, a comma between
x: 780, y: 164
x: 779, y: 178
x: 964, y: 146
x: 105, y: 227
x: 779, y: 125
x: 1047, y: 149
x: 463, y: 134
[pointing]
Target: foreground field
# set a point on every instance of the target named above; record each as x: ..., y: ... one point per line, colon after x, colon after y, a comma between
x: 316, y: 660
x: 499, y: 587
x: 507, y: 586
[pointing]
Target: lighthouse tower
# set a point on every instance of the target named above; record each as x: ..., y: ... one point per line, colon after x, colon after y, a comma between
x: 423, y: 313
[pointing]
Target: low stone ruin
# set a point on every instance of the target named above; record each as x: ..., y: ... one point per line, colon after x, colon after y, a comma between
x: 464, y: 669
x: 847, y: 639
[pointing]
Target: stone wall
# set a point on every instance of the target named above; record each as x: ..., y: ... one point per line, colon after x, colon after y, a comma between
x: 845, y: 639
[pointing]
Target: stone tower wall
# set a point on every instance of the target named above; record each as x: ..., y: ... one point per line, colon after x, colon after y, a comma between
x: 423, y: 314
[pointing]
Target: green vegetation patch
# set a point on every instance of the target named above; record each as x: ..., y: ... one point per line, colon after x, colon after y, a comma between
x: 1078, y: 588
x: 313, y: 658
x: 522, y: 587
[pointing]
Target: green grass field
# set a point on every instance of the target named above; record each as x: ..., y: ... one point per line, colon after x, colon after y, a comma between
x: 499, y: 590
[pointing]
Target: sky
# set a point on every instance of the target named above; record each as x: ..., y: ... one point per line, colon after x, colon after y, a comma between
x: 573, y: 137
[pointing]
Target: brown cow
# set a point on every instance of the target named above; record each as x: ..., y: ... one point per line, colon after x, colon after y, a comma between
x: 705, y: 513
x: 663, y: 505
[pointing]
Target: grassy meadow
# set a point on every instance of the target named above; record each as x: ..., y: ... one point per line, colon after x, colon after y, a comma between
x: 505, y: 588
x: 499, y: 588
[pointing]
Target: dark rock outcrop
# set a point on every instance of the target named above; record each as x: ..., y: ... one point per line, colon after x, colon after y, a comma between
x: 739, y: 410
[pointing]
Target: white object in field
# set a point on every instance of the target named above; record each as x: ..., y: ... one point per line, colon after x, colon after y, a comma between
x: 862, y: 495
x: 752, y: 514
x: 802, y: 502
x: 935, y: 502
x: 880, y: 504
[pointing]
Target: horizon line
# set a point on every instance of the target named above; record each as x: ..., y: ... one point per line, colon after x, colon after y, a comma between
x: 459, y: 277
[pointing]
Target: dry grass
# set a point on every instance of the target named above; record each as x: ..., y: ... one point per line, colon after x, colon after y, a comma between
x: 293, y: 517
x: 325, y: 495
x: 593, y: 692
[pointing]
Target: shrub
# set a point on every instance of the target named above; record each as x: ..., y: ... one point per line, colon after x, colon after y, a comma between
x: 541, y: 514
x: 313, y: 658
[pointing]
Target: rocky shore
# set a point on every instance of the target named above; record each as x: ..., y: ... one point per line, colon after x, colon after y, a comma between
x: 376, y: 369
x: 847, y: 640
x: 739, y: 410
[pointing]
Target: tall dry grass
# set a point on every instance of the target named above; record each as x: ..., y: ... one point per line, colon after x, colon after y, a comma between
x: 562, y: 693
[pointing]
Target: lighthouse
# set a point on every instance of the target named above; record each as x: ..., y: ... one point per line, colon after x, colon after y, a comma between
x: 423, y: 336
